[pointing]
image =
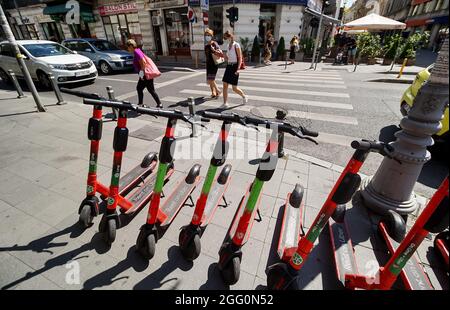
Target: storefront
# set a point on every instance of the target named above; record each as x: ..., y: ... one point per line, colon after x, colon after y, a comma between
x: 121, y: 22
x: 171, y: 27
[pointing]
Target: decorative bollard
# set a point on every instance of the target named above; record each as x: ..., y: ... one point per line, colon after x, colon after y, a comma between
x: 56, y: 90
x: 16, y: 84
x: 111, y: 96
x: 281, y: 115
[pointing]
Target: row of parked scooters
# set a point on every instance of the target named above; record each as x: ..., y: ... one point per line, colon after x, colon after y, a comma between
x: 144, y: 184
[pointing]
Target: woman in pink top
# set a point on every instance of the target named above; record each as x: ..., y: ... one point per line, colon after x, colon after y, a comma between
x: 139, y: 65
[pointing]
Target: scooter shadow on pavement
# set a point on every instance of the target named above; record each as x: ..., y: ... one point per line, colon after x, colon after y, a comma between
x: 96, y: 244
x: 158, y: 278
x: 185, y: 103
x: 214, y: 281
x: 320, y: 261
x: 108, y: 277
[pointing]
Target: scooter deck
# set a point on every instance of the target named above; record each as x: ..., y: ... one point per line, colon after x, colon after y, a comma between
x: 342, y: 247
x: 291, y: 230
x: 412, y: 275
x: 239, y: 213
x: 143, y: 194
x: 175, y: 201
x: 215, y: 195
x: 134, y: 176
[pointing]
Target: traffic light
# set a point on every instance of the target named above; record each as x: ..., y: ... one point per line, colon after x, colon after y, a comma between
x: 232, y: 14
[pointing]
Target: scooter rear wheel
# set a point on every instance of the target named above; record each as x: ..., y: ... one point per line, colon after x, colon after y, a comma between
x: 146, y: 245
x: 86, y: 219
x: 231, y: 272
x: 278, y: 278
x: 395, y: 225
x: 191, y: 249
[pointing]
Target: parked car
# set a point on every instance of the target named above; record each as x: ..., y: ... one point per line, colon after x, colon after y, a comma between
x: 105, y: 55
x: 410, y: 94
x: 43, y: 57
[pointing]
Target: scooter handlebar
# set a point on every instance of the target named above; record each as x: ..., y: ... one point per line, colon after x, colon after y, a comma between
x: 383, y: 148
x: 80, y: 93
x: 110, y: 103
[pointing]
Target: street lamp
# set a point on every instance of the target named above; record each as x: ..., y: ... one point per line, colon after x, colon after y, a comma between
x: 325, y: 4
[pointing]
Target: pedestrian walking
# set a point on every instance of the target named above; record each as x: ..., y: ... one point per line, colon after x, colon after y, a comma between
x: 214, y: 57
x: 268, y: 48
x: 294, y: 47
x: 234, y: 64
x: 351, y: 48
x: 147, y: 71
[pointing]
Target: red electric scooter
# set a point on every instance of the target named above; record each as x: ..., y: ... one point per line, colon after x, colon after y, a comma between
x: 441, y: 245
x: 283, y: 275
x: 213, y: 190
x: 434, y: 218
x: 230, y: 254
x: 89, y: 206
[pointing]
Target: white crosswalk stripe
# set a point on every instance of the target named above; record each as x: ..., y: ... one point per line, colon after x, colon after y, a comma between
x: 291, y: 91
x: 325, y: 92
x: 311, y: 103
x: 235, y: 106
x: 250, y: 81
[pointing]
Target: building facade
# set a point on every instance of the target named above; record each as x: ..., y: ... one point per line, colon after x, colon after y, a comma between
x: 429, y: 15
x: 163, y: 27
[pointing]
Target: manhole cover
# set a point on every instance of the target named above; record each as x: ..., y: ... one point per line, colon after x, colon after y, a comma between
x: 266, y: 112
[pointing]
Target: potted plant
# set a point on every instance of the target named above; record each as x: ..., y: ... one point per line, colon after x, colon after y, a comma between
x: 245, y: 46
x: 256, y: 50
x: 410, y: 46
x: 369, y: 47
x: 307, y: 47
x: 281, y: 49
x: 391, y: 48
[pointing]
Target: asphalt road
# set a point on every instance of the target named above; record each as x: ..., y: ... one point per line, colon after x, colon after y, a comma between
x: 339, y: 104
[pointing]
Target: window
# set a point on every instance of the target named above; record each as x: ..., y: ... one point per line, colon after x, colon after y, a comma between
x: 430, y: 6
x: 120, y: 28
x: 6, y: 50
x: 46, y: 49
x: 53, y: 31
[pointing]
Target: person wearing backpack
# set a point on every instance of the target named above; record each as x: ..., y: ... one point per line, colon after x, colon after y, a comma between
x: 147, y: 71
x: 234, y: 65
x: 294, y: 47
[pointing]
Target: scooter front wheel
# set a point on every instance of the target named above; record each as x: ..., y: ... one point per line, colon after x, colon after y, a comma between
x: 86, y: 219
x: 110, y: 231
x: 395, y: 225
x: 146, y: 245
x: 231, y: 271
x: 190, y: 246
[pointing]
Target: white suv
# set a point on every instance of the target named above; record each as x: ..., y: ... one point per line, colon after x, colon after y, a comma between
x: 44, y: 57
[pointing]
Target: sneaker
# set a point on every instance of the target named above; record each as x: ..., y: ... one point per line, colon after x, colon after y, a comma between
x: 224, y: 106
x: 244, y: 100
x: 159, y: 106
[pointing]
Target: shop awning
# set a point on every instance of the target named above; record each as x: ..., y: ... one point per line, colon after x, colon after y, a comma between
x: 326, y: 18
x: 374, y: 22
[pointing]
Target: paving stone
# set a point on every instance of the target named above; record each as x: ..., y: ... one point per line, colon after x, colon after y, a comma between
x: 438, y: 278
x: 72, y: 188
x: 11, y: 269
x: 4, y: 206
x: 251, y: 255
x: 293, y: 178
x: 52, y: 177
x: 37, y: 283
x: 315, y: 199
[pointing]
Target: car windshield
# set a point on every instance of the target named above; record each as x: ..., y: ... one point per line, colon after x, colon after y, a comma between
x: 104, y: 45
x: 46, y: 49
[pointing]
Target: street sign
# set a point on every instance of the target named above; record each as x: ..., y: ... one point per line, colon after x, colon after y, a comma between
x: 205, y: 18
x: 204, y: 4
x: 191, y: 15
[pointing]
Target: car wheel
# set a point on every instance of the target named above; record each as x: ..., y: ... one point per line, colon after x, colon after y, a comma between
x: 5, y: 76
x: 44, y: 80
x: 105, y: 68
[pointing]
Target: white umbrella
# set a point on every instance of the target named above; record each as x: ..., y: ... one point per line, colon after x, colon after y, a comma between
x: 374, y: 22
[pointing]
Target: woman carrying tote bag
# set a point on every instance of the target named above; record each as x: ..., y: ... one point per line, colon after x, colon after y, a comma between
x: 147, y: 72
x: 214, y: 57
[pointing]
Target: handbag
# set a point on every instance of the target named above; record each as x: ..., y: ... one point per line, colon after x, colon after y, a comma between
x: 151, y: 71
x: 217, y: 59
x: 242, y: 67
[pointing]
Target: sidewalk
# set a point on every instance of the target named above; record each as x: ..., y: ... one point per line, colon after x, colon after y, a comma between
x: 43, y: 167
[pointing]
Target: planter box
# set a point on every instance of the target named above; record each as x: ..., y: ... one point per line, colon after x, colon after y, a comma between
x: 387, y: 61
x: 371, y: 61
x: 410, y: 62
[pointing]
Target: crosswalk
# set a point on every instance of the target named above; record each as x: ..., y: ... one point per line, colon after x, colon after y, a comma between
x: 318, y: 96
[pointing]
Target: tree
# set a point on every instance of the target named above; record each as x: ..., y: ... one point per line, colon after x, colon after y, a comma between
x: 281, y: 49
x: 256, y: 49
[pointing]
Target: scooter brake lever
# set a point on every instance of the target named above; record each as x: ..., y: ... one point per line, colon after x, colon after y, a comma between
x: 299, y: 135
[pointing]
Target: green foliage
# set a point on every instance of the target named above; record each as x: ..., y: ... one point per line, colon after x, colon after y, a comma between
x: 307, y: 46
x: 391, y: 45
x: 256, y: 49
x: 281, y: 49
x: 245, y: 45
x: 412, y: 43
x: 369, y: 45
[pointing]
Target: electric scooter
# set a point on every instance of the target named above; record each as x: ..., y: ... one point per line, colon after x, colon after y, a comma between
x: 230, y: 254
x: 434, y: 218
x: 137, y: 199
x: 282, y: 275
x: 441, y: 245
x: 159, y: 216
x: 213, y: 189
x: 89, y: 206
